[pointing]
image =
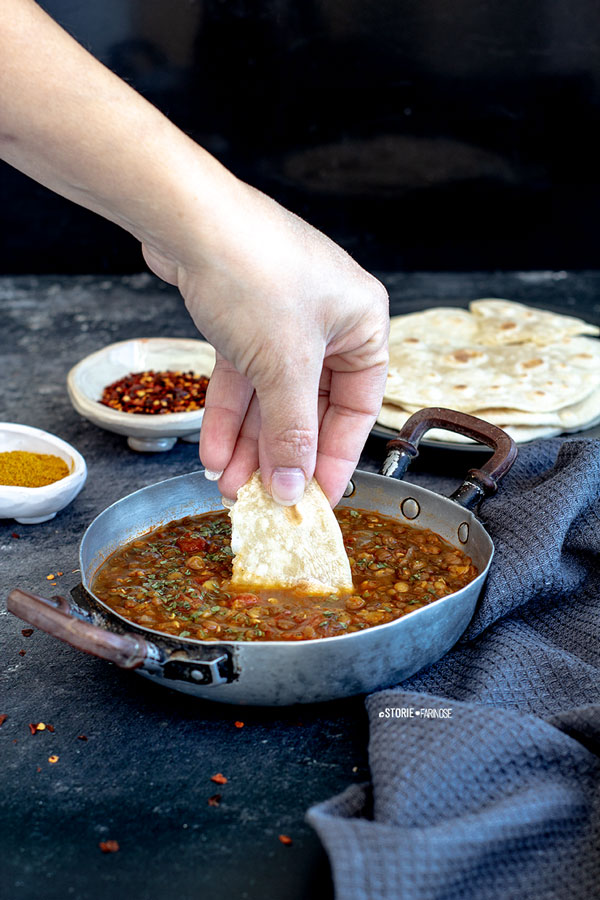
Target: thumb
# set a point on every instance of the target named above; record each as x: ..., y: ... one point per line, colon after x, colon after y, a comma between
x: 287, y: 443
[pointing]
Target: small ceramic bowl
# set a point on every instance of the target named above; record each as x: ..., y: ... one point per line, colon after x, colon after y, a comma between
x: 87, y: 380
x: 38, y: 504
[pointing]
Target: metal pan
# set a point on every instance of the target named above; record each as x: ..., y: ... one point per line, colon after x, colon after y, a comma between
x: 278, y: 673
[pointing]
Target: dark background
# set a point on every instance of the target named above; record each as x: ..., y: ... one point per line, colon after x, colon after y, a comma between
x: 421, y: 134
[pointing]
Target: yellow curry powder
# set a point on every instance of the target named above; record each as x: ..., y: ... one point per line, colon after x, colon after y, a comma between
x: 19, y: 467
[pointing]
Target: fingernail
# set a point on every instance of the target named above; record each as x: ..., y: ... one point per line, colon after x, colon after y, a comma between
x: 212, y: 476
x: 287, y: 486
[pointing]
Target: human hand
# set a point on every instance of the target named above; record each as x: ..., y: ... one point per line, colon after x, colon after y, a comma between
x: 300, y: 329
x: 301, y: 337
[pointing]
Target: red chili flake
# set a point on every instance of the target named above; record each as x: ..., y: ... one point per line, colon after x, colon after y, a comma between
x: 156, y: 393
x: 59, y: 573
x: 3, y: 718
x: 22, y: 652
x: 53, y: 759
x: 32, y: 727
x: 27, y: 632
x: 50, y: 728
x: 285, y: 839
x: 218, y: 778
x: 239, y: 724
x: 39, y: 769
x: 109, y: 846
x: 214, y: 800
x: 81, y: 737
x: 15, y: 535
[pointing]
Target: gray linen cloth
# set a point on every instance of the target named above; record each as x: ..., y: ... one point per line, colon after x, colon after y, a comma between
x: 490, y: 788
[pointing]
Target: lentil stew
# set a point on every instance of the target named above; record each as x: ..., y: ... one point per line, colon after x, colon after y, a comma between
x: 175, y: 580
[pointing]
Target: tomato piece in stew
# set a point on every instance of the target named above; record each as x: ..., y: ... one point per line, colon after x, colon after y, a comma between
x: 176, y: 580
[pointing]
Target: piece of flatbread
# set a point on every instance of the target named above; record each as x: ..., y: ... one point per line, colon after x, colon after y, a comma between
x: 583, y: 414
x: 472, y: 376
x: 440, y: 325
x: 287, y: 546
x: 502, y: 416
x: 507, y: 322
x: 394, y: 417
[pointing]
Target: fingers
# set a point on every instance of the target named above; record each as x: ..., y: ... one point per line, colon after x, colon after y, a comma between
x: 342, y: 418
x: 354, y: 402
x: 244, y: 460
x: 227, y: 400
x: 287, y: 444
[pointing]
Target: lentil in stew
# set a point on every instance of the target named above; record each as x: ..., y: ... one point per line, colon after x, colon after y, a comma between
x: 176, y: 580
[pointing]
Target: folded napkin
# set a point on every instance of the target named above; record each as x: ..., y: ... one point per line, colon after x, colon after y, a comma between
x: 485, y: 767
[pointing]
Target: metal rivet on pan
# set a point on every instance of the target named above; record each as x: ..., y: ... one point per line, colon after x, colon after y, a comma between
x: 410, y: 508
x: 350, y: 489
x: 463, y: 532
x: 197, y: 675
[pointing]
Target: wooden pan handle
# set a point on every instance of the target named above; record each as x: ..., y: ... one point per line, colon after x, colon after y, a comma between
x: 481, y: 482
x: 54, y: 617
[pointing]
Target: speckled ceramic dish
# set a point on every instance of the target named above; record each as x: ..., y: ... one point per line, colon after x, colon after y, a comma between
x: 145, y: 433
x: 38, y: 504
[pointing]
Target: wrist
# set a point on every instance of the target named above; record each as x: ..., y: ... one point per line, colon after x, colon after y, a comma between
x: 174, y: 200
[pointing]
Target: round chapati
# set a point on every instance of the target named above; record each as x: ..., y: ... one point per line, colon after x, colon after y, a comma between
x: 394, y: 417
x: 439, y: 326
x: 502, y: 416
x: 287, y: 546
x: 472, y: 376
x: 506, y: 322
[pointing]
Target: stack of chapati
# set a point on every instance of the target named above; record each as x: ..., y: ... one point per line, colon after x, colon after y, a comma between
x: 532, y: 372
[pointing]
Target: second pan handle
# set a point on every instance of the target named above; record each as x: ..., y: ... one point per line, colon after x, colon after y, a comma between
x: 481, y: 482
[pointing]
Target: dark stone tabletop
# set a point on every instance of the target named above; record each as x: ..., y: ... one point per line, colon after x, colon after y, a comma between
x: 142, y: 776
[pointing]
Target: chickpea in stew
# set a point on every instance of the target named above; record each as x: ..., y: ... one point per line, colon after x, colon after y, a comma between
x: 176, y: 580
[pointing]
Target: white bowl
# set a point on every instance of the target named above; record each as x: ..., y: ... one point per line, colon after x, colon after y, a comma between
x: 38, y: 504
x: 146, y: 433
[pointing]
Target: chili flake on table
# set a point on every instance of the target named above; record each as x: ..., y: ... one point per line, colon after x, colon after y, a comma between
x: 156, y: 393
x: 109, y: 846
x: 176, y: 580
x: 218, y: 778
